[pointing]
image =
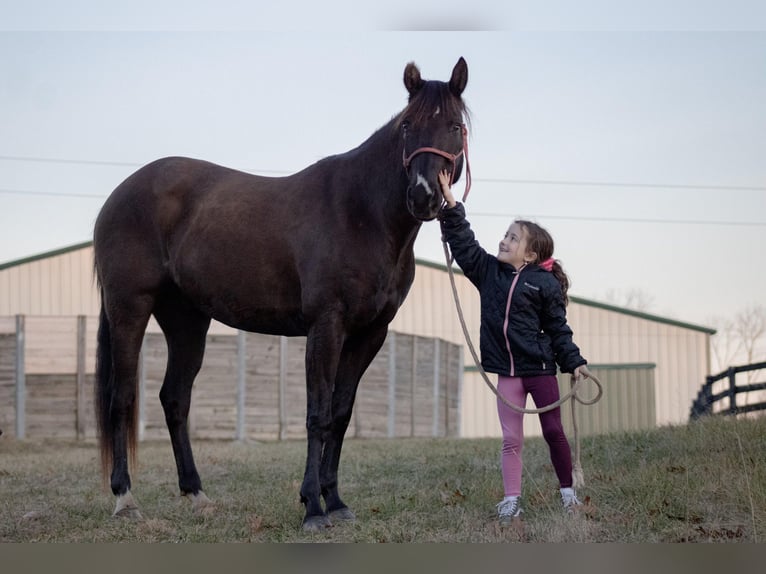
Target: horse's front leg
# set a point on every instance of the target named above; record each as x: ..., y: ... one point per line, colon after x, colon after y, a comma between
x: 358, y: 352
x: 323, y: 347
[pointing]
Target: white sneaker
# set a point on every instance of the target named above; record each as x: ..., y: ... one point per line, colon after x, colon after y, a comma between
x: 508, y: 509
x: 569, y: 500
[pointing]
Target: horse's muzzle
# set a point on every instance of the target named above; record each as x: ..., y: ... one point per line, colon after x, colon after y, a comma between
x: 422, y: 205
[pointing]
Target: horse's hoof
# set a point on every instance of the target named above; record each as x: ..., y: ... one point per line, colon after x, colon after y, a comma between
x: 129, y: 513
x: 127, y: 507
x: 201, y: 503
x: 316, y: 523
x: 342, y: 515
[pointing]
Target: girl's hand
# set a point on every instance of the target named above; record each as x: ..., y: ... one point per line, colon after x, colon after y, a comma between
x: 582, y: 372
x: 444, y: 177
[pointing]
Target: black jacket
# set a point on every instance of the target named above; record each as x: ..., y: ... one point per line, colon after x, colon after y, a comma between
x: 537, y: 336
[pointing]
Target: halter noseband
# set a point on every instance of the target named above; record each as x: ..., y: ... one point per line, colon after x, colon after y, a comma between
x: 451, y: 157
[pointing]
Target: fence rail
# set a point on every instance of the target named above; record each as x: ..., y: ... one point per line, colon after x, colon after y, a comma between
x: 251, y: 386
x: 707, y: 399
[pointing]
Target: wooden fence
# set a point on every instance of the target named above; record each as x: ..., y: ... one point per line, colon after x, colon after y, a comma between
x: 707, y: 398
x: 251, y: 386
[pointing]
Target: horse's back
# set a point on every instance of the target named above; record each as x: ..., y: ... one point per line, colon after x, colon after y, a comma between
x: 165, y: 196
x: 217, y: 236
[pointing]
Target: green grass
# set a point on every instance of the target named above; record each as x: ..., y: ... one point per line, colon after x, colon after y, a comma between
x: 705, y: 482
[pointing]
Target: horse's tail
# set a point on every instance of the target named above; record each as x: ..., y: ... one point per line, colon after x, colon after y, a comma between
x: 104, y: 395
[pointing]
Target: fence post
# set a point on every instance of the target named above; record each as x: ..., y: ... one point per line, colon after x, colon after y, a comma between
x: 21, y: 382
x: 435, y: 430
x: 80, y: 408
x: 241, y: 384
x: 447, y: 394
x: 708, y: 396
x: 282, y: 387
x: 391, y: 384
x: 732, y: 391
x: 413, y: 385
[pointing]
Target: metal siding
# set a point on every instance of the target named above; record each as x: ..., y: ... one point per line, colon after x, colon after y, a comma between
x: 58, y: 285
x: 5, y: 293
x: 628, y: 388
x: 22, y: 286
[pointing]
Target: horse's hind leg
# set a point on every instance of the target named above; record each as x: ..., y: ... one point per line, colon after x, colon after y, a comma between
x: 185, y: 329
x: 358, y: 352
x: 127, y: 325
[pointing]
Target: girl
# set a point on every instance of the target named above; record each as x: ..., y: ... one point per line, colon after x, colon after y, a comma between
x: 524, y: 334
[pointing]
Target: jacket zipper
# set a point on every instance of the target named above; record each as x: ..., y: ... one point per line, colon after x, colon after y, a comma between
x: 505, y: 323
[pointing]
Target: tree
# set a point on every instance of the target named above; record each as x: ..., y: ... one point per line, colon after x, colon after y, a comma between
x: 741, y: 339
x: 750, y: 327
x: 636, y: 299
x: 725, y: 345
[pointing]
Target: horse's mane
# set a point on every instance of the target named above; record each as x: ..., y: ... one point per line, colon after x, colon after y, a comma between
x: 434, y: 94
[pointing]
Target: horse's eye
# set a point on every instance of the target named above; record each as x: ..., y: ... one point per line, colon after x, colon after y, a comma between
x: 405, y: 125
x: 457, y: 127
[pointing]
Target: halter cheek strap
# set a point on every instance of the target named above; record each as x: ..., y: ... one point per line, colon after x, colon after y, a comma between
x: 451, y: 157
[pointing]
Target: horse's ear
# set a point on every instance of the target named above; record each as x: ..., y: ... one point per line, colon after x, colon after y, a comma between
x: 412, y: 80
x: 459, y: 77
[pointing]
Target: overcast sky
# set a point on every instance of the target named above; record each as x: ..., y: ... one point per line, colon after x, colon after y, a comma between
x: 636, y: 137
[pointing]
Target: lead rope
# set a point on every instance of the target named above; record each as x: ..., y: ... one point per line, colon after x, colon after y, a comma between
x: 578, y: 479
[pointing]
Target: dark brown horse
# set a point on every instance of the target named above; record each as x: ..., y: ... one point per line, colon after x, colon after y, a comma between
x: 325, y: 253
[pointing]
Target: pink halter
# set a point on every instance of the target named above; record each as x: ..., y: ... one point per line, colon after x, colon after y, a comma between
x: 452, y: 157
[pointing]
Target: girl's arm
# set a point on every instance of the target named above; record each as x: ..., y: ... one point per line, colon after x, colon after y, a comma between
x: 553, y: 320
x: 457, y: 232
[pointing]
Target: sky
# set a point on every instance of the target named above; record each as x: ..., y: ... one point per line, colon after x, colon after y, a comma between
x: 634, y: 132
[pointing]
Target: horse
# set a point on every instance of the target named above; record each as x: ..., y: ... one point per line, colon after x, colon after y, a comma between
x: 326, y: 253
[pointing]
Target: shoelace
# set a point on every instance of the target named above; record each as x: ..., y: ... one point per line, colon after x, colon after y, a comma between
x: 570, y: 501
x: 508, y: 507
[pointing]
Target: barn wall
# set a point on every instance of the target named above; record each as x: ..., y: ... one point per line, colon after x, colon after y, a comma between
x: 62, y: 284
x: 605, y: 334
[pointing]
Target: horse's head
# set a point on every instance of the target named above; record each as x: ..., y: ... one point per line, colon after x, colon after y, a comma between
x: 432, y: 128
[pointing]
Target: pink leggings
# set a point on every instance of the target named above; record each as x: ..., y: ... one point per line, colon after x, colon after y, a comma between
x: 544, y: 390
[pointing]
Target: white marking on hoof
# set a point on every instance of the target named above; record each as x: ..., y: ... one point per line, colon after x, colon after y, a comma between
x: 316, y: 523
x: 200, y: 502
x: 342, y: 515
x: 127, y: 507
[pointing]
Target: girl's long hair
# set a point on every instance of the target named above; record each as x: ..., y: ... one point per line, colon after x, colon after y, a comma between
x: 541, y: 242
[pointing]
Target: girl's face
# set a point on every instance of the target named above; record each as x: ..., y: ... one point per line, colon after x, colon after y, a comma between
x: 513, y: 246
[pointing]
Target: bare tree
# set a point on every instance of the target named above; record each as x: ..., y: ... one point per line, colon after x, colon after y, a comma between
x: 750, y: 326
x: 725, y: 344
x: 636, y: 299
x: 740, y: 340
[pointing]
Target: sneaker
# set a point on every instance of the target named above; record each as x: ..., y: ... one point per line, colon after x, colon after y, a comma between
x: 569, y: 500
x: 508, y: 509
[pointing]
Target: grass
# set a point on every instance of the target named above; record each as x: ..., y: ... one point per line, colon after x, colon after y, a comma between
x: 704, y: 482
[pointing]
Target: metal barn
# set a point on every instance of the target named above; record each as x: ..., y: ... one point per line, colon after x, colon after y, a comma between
x: 651, y: 366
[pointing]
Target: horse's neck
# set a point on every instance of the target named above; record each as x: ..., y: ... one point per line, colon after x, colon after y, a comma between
x: 385, y: 184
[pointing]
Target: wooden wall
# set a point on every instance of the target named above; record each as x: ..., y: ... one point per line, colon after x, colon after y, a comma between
x: 251, y: 386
